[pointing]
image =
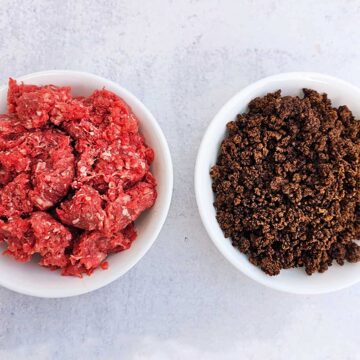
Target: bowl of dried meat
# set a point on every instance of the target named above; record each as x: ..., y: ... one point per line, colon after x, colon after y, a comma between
x: 277, y: 182
x: 85, y: 182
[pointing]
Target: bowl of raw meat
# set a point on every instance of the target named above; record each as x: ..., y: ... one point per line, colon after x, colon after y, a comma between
x: 85, y: 182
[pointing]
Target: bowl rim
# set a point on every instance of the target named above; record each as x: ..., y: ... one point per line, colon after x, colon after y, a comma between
x: 161, y: 214
x: 200, y: 200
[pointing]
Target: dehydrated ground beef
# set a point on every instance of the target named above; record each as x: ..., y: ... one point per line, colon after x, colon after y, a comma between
x: 286, y: 183
x: 74, y: 176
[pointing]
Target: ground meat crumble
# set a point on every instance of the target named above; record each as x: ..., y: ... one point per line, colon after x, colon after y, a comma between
x: 286, y: 183
x: 74, y: 176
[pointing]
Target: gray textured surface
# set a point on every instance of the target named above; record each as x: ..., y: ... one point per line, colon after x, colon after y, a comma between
x: 184, y: 60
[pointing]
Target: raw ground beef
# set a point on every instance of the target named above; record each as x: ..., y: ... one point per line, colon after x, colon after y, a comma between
x: 74, y: 176
x: 287, y: 183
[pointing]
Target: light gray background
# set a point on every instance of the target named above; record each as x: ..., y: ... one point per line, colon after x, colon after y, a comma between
x: 183, y: 59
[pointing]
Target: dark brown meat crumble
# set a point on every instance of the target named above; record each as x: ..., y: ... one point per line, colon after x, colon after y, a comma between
x: 286, y: 183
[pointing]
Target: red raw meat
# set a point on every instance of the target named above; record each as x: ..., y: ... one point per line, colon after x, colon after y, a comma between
x: 93, y: 247
x: 13, y: 162
x: 53, y: 170
x: 84, y: 210
x: 124, y: 165
x: 52, y: 238
x: 11, y: 130
x: 106, y: 107
x: 42, y: 234
x: 15, y: 91
x: 19, y: 237
x: 14, y: 197
x: 128, y: 206
x: 33, y: 105
x: 72, y: 110
x: 82, y: 162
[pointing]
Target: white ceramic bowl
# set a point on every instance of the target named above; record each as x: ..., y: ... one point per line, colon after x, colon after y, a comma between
x: 292, y: 280
x: 32, y: 279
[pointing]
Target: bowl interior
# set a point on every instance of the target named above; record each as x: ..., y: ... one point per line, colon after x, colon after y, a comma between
x: 292, y: 280
x: 32, y: 279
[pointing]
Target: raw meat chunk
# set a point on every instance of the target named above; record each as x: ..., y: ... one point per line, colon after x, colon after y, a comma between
x: 69, y: 111
x: 15, y: 91
x: 84, y: 210
x: 107, y: 107
x: 14, y: 197
x: 121, y: 165
x: 13, y: 162
x: 51, y: 239
x: 74, y: 175
x: 11, y: 130
x: 33, y: 105
x: 19, y: 237
x: 93, y: 247
x: 53, y: 171
x: 128, y: 206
